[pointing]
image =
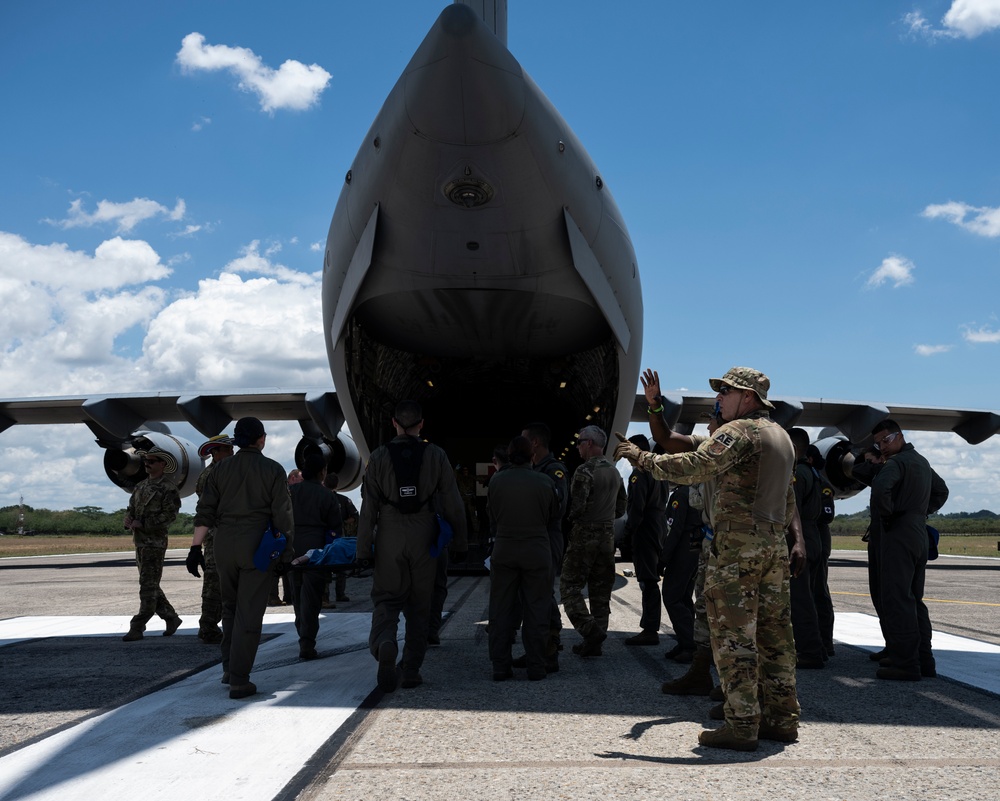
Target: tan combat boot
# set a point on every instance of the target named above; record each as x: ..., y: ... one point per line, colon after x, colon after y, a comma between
x: 697, y: 680
x: 725, y: 737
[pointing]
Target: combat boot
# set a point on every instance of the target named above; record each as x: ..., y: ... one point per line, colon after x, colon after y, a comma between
x: 779, y: 734
x: 173, y: 623
x: 698, y: 679
x: 645, y: 637
x: 133, y: 635
x: 591, y: 646
x: 725, y: 737
x: 210, y: 635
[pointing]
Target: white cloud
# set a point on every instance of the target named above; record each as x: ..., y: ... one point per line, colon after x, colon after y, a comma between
x: 965, y: 19
x: 981, y: 335
x: 201, y: 123
x: 895, y: 269
x: 125, y: 215
x: 258, y: 324
x: 189, y: 230
x: 981, y: 220
x: 972, y: 472
x: 64, y: 311
x: 292, y: 86
x: 970, y: 18
x: 62, y: 331
x: 116, y: 263
x: 918, y: 26
x: 237, y: 331
x: 931, y: 350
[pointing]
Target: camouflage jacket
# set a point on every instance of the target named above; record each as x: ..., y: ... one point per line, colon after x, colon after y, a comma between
x: 597, y: 494
x: 752, y: 459
x: 199, y: 487
x: 154, y: 503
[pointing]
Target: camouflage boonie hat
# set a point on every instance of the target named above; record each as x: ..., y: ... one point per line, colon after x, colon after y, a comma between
x: 745, y: 378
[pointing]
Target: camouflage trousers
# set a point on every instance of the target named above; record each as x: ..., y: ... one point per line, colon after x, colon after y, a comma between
x: 211, y: 591
x: 749, y: 618
x: 590, y: 563
x: 152, y: 601
x: 702, y: 637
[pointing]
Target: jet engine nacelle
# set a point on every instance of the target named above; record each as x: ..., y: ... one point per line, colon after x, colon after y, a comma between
x: 839, y: 455
x: 342, y: 457
x: 125, y: 468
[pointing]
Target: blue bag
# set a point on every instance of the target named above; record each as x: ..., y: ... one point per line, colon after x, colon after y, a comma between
x: 272, y: 546
x: 933, y: 535
x: 444, y: 536
x: 342, y: 551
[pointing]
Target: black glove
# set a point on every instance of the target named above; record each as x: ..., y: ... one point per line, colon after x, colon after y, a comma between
x: 195, y: 558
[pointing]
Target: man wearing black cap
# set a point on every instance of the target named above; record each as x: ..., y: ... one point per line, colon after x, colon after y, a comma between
x: 242, y: 497
x: 219, y: 447
x: 151, y: 509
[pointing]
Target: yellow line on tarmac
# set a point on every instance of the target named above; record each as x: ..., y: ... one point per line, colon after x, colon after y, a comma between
x: 932, y: 600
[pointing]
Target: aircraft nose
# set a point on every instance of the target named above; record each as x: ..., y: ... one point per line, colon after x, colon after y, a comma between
x: 462, y: 86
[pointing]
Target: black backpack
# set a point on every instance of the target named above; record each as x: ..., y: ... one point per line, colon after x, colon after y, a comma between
x: 407, y: 457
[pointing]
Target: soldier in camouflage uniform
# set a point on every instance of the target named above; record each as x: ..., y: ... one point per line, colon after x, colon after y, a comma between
x: 151, y: 509
x: 746, y: 578
x: 219, y: 448
x: 597, y: 497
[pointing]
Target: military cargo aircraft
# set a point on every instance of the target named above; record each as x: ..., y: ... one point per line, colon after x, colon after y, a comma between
x: 476, y: 262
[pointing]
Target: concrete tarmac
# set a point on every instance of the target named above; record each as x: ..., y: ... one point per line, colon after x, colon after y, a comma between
x: 85, y: 715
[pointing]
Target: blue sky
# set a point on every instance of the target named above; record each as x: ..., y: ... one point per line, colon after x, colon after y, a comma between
x: 811, y: 189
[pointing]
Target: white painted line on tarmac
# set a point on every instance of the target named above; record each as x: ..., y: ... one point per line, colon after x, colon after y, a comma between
x: 971, y: 662
x: 189, y: 740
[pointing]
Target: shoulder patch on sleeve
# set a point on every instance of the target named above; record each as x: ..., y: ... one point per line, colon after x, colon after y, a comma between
x: 721, y: 442
x: 559, y: 474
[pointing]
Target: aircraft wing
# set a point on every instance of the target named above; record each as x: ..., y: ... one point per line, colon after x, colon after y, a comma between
x: 115, y: 417
x: 853, y: 419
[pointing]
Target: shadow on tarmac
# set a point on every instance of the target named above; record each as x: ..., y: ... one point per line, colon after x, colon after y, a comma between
x: 619, y: 689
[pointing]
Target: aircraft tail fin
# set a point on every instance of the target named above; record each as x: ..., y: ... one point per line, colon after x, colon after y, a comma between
x: 493, y: 13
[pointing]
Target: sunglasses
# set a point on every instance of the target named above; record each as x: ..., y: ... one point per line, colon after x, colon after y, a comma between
x: 889, y: 438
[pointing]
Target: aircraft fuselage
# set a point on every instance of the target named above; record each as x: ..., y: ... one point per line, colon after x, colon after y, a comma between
x: 477, y: 262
